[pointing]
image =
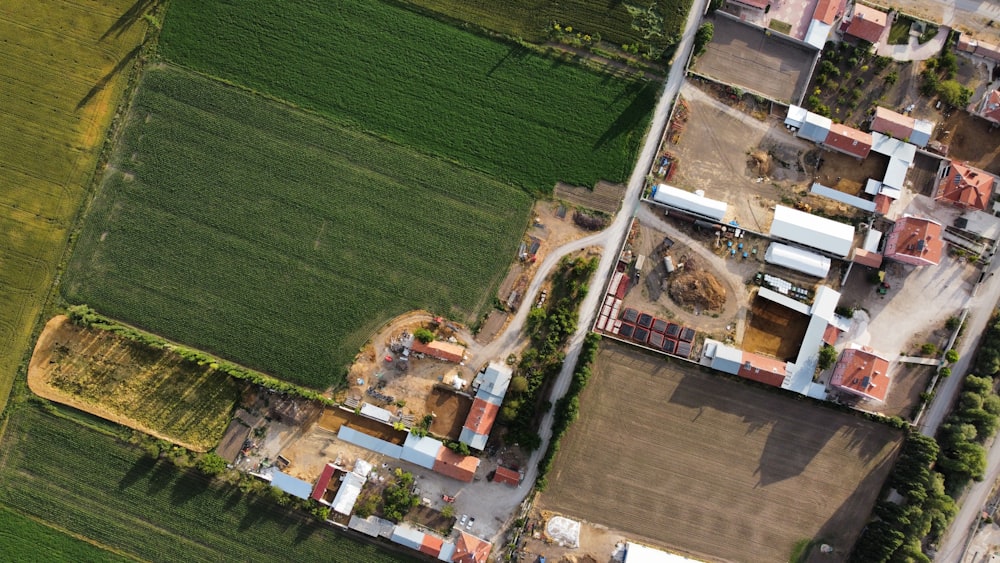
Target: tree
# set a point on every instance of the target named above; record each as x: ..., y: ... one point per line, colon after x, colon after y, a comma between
x: 954, y: 94
x: 827, y: 357
x: 448, y: 511
x: 951, y: 356
x: 398, y: 498
x: 211, y: 464
x: 703, y: 37
x: 423, y: 335
x: 519, y: 384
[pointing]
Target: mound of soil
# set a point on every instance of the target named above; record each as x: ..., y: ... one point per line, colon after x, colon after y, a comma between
x: 694, y: 286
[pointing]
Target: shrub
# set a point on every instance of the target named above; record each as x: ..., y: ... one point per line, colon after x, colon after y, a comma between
x: 954, y: 94
x: 211, y: 464
x: 928, y: 349
x: 827, y: 357
x: 951, y: 356
x: 423, y: 335
x: 703, y: 37
x: 448, y: 511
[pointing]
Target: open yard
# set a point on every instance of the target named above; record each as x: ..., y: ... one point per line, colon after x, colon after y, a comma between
x: 713, y: 467
x: 285, y: 250
x: 532, y: 19
x: 774, y: 330
x: 499, y: 108
x: 747, y: 57
x: 62, y: 82
x: 83, y: 480
x: 450, y: 411
x: 152, y: 390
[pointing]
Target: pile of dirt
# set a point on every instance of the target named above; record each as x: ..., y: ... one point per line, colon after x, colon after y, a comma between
x: 694, y: 286
x: 759, y: 163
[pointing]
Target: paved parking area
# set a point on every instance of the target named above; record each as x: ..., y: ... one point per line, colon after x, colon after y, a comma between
x: 745, y: 56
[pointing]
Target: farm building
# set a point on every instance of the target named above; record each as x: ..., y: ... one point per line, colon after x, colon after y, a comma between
x: 350, y: 488
x: 989, y: 107
x: 372, y: 526
x: 848, y: 140
x: 797, y: 259
x: 821, y: 317
x: 826, y: 14
x: 421, y: 451
x: 408, y: 536
x: 815, y: 127
x: 916, y: 241
x: 747, y: 365
x: 508, y: 476
x: 457, y: 466
x: 965, y: 186
x: 492, y: 386
x: 441, y: 350
x: 288, y: 484
x: 369, y: 442
x: 470, y: 549
x: 323, y: 482
x: 812, y: 231
x: 867, y: 23
x: 914, y: 131
x: 901, y: 155
x: 862, y: 372
x: 795, y: 116
x: 636, y: 553
x: 837, y: 195
x: 232, y: 441
x: 690, y: 202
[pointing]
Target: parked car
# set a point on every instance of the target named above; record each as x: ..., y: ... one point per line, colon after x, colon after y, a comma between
x: 462, y: 519
x: 471, y: 522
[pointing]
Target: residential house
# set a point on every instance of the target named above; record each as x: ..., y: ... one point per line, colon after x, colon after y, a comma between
x: 862, y: 372
x: 916, y: 241
x: 965, y: 186
x: 989, y: 107
x: 867, y: 23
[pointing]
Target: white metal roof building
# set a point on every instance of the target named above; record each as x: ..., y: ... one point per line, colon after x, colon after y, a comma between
x: 837, y: 195
x: 922, y: 131
x: 815, y: 127
x: 893, y: 148
x: 723, y: 358
x: 812, y: 231
x: 493, y: 383
x: 367, y: 441
x: 818, y: 33
x: 797, y: 259
x: 895, y: 174
x: 421, y: 451
x: 408, y: 536
x: 796, y: 116
x: 348, y: 493
x: 291, y: 485
x: 687, y: 201
x: 377, y: 413
x: 637, y: 553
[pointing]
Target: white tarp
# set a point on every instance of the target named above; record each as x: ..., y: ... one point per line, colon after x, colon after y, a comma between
x: 348, y: 493
x: 563, y: 531
x: 812, y: 230
x: 636, y: 553
x: 797, y: 259
x: 687, y: 201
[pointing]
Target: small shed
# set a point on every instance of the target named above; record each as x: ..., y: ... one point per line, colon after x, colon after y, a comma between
x: 507, y: 476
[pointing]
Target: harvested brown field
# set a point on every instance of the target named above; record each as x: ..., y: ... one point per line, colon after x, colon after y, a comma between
x: 774, y: 330
x: 450, y: 411
x: 605, y: 197
x: 674, y: 456
x: 334, y: 417
x: 152, y: 390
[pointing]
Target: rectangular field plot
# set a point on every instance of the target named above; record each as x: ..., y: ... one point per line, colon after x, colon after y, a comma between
x: 88, y: 483
x: 63, y: 66
x: 277, y: 240
x: 709, y: 466
x: 500, y: 108
x: 748, y: 57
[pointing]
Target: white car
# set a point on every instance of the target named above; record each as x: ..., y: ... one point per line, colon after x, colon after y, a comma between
x: 471, y: 522
x: 462, y: 520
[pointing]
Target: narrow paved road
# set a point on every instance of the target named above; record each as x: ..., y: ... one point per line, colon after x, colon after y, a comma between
x: 981, y: 307
x: 608, y: 240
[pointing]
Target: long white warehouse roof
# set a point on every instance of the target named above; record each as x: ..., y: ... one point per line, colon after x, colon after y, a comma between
x: 813, y: 231
x: 797, y: 259
x: 669, y: 195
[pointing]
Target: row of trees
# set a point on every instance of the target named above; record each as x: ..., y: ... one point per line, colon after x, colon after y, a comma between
x: 568, y: 407
x: 930, y: 474
x: 549, y: 329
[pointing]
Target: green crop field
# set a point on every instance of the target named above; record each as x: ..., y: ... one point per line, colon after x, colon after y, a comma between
x: 61, y: 71
x: 532, y: 19
x: 23, y: 539
x: 92, y: 485
x: 499, y: 108
x: 273, y: 238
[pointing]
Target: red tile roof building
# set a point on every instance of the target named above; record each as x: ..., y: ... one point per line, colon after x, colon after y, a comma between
x: 324, y: 481
x: 470, y: 549
x: 849, y: 140
x: 867, y: 23
x: 762, y: 369
x: 827, y: 11
x: 753, y: 4
x: 862, y: 372
x: 508, y: 476
x: 965, y: 186
x: 431, y: 545
x: 441, y: 350
x: 989, y: 107
x: 457, y: 466
x: 481, y: 417
x: 916, y: 241
x: 896, y: 125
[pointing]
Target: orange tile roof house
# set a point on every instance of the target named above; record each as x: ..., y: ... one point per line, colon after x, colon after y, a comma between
x: 470, y: 549
x: 863, y: 373
x: 827, y: 11
x: 457, y: 466
x: 867, y: 23
x: 989, y: 107
x: 916, y: 241
x: 849, y: 140
x: 508, y: 476
x: 965, y: 186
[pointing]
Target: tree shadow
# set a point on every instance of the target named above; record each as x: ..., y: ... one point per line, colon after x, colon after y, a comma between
x: 631, y: 116
x: 256, y: 510
x: 159, y: 478
x: 103, y: 82
x: 514, y: 54
x: 139, y: 469
x: 187, y: 486
x: 306, y: 530
x: 126, y: 20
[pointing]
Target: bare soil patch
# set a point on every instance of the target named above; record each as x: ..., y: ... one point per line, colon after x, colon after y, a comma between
x: 695, y: 462
x: 153, y: 391
x: 450, y: 409
x: 334, y: 417
x: 695, y: 286
x: 908, y: 382
x: 604, y: 197
x: 971, y: 139
x: 774, y: 330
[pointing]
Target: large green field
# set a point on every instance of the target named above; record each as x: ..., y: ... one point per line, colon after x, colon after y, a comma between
x: 23, y: 539
x: 92, y: 485
x: 532, y: 20
x: 499, y: 108
x: 61, y: 73
x: 273, y: 238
